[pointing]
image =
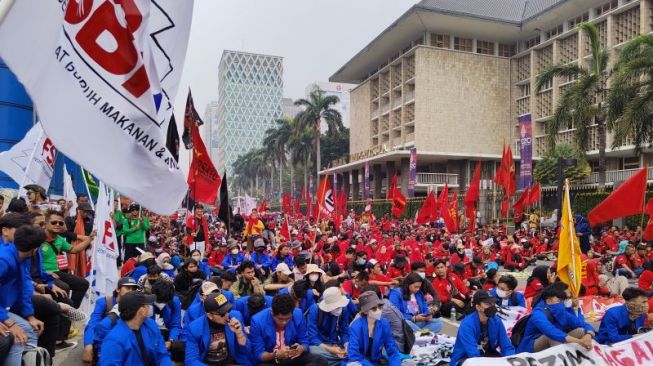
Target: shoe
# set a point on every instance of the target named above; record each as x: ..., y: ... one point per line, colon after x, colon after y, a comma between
x: 75, y: 315
x: 64, y: 345
x: 73, y: 333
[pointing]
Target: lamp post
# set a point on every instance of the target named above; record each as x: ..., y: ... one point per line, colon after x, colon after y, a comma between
x: 562, y: 164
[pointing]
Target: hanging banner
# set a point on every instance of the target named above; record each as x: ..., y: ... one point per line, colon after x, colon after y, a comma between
x: 632, y: 352
x: 31, y: 160
x: 526, y: 151
x: 335, y: 184
x: 412, y: 176
x: 366, y: 193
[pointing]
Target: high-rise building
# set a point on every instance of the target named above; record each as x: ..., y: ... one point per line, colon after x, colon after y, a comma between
x: 210, y: 136
x: 340, y: 90
x: 289, y: 108
x: 250, y: 94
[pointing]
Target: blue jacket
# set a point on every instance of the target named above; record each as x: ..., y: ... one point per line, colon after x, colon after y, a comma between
x: 199, y: 335
x: 305, y: 303
x: 262, y: 332
x: 262, y: 259
x: 275, y: 262
x: 396, y: 297
x: 203, y: 266
x: 231, y: 260
x: 241, y: 306
x: 102, y: 328
x: 99, y: 313
x: 616, y: 325
x: 538, y: 325
x: 171, y: 315
x: 120, y: 347
x: 16, y: 284
x: 469, y: 334
x: 194, y: 311
x: 516, y: 299
x: 37, y: 270
x: 138, y: 272
x: 169, y: 272
x: 359, y: 342
x: 332, y: 330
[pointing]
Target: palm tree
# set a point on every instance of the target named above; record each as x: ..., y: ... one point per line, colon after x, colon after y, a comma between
x: 275, y: 141
x: 630, y: 101
x: 318, y: 107
x: 577, y: 105
x: 302, y: 150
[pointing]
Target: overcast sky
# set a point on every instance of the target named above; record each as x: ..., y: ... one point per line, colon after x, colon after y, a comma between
x: 315, y: 38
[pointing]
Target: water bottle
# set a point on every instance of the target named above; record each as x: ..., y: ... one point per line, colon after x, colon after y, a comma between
x: 453, y: 314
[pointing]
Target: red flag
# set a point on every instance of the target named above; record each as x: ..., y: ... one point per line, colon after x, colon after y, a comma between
x: 77, y: 263
x: 309, y: 209
x: 391, y: 188
x: 473, y: 192
x: 470, y: 213
x: 398, y: 202
x: 505, y: 206
x: 325, y: 201
x: 263, y: 206
x: 499, y: 175
x: 509, y: 185
x: 286, y: 204
x: 522, y: 202
x: 428, y: 212
x: 452, y: 214
x: 626, y: 200
x: 285, y: 231
x: 203, y: 178
x: 342, y: 203
x: 296, y: 206
x: 648, y: 231
x: 443, y: 200
x: 535, y: 194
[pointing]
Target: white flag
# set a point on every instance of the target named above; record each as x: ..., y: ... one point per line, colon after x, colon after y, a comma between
x: 104, y: 277
x: 250, y: 204
x: 30, y: 161
x: 103, y: 75
x: 69, y: 192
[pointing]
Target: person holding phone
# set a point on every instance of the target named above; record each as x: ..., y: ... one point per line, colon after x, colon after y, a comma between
x: 409, y: 299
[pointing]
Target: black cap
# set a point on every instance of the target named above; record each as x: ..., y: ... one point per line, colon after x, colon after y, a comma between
x: 84, y: 206
x: 134, y: 300
x: 127, y: 281
x: 217, y: 303
x: 36, y: 188
x: 256, y: 302
x: 484, y: 296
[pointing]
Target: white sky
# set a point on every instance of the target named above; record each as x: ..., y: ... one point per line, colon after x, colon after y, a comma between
x: 315, y: 38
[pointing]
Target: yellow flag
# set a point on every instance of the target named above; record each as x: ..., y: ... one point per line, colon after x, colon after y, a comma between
x: 569, y: 261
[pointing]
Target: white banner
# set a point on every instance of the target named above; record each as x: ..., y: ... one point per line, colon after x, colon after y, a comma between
x: 30, y: 161
x: 509, y: 315
x: 104, y: 271
x: 69, y: 192
x: 632, y: 352
x: 102, y: 75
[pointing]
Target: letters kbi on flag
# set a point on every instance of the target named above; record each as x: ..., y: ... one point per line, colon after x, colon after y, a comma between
x: 30, y: 161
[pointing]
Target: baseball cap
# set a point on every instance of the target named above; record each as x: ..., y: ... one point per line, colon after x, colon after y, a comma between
x: 36, y: 188
x: 259, y: 243
x: 208, y: 287
x: 217, y: 303
x: 283, y: 268
x: 127, y: 281
x: 368, y: 300
x: 483, y: 296
x: 134, y: 300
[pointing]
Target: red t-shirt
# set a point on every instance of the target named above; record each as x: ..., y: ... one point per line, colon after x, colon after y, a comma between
x: 533, y: 288
x: 349, y: 288
x: 645, y: 281
x: 381, y: 278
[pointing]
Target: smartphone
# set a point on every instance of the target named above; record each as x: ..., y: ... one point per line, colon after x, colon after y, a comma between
x: 294, y: 346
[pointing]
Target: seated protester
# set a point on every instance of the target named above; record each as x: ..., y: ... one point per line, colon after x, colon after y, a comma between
x: 103, y: 306
x: 282, y: 256
x: 279, y: 279
x: 314, y: 279
x: 278, y: 336
x: 248, y: 306
x: 538, y: 280
x: 370, y: 335
x: 6, y: 342
x: 328, y: 326
x: 224, y: 282
x: 197, y: 256
x: 20, y: 242
x: 515, y: 261
x: 53, y: 252
x: 154, y: 273
x: 481, y: 333
x: 145, y: 261
x: 458, y: 256
x: 354, y: 286
x: 217, y: 256
x: 645, y: 281
x: 196, y: 309
x: 398, y: 270
x: 135, y: 339
x: 622, y: 322
x: 378, y: 278
x: 218, y: 337
x: 505, y: 292
x: 549, y: 322
x: 188, y: 281
x: 612, y: 286
x: 626, y: 264
x: 409, y: 299
x: 167, y: 310
x: 261, y: 258
x: 246, y: 283
x: 346, y: 260
x: 360, y: 262
x: 299, y: 272
x: 451, y: 290
x: 164, y: 261
x: 396, y: 320
x: 491, y: 279
x: 234, y: 258
x: 419, y: 268
x: 304, y: 298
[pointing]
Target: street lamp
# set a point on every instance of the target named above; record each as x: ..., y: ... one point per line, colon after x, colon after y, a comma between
x: 562, y: 164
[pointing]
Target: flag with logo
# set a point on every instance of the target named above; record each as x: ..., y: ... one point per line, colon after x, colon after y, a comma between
x: 428, y: 212
x: 31, y: 160
x: 103, y: 76
x: 398, y: 202
x: 325, y: 201
x: 203, y: 178
x: 569, y: 254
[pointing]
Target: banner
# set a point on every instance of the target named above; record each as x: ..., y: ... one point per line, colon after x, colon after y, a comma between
x: 366, y: 191
x: 412, y: 176
x: 103, y: 76
x: 30, y: 161
x: 69, y: 192
x: 632, y: 352
x: 526, y: 151
x: 509, y: 316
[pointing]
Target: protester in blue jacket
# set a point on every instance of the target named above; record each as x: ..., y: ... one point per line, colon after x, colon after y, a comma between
x: 232, y: 261
x: 260, y: 257
x: 622, y: 322
x: 304, y: 298
x: 506, y: 294
x: 217, y: 338
x: 202, y: 265
x: 282, y: 256
x: 547, y: 324
x: 168, y: 308
x: 328, y: 326
x: 196, y: 309
x: 481, y: 333
x: 278, y: 335
x: 248, y: 306
x: 135, y: 340
x: 368, y: 349
x: 145, y: 260
x: 409, y: 299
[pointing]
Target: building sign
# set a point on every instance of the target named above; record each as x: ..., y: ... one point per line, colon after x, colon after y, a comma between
x: 412, y: 177
x: 374, y: 151
x: 526, y: 151
x: 366, y: 193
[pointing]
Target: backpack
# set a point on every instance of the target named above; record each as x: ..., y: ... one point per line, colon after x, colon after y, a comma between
x: 519, y: 328
x: 409, y: 337
x: 36, y: 356
x: 188, y: 298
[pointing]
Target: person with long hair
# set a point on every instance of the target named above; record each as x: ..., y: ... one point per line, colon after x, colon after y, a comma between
x: 187, y: 276
x: 539, y: 279
x: 409, y: 299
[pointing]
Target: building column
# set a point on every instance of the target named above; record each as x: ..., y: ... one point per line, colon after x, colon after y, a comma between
x: 355, y: 194
x: 345, y: 183
x: 404, y: 166
x: 390, y: 171
x: 378, y: 181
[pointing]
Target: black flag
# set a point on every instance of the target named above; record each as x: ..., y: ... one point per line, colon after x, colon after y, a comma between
x: 172, y: 138
x: 225, y: 214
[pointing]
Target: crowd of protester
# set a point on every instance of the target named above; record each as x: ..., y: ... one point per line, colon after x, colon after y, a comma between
x: 290, y: 290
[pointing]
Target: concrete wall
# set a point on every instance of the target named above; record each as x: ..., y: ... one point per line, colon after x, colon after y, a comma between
x: 360, y: 132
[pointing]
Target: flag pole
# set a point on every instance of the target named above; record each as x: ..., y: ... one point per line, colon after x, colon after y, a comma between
x: 571, y: 237
x: 641, y: 220
x: 5, y: 7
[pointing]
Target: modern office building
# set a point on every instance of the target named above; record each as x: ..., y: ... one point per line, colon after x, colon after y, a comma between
x: 290, y: 110
x: 250, y: 94
x: 340, y: 90
x: 210, y: 135
x: 450, y: 77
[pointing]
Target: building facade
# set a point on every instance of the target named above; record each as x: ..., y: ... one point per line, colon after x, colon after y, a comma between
x: 210, y: 129
x: 450, y: 78
x: 290, y: 110
x: 340, y: 90
x: 250, y: 95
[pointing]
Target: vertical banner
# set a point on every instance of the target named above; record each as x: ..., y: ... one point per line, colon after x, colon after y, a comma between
x: 335, y: 184
x: 311, y: 192
x: 412, y: 176
x: 526, y: 151
x: 366, y: 193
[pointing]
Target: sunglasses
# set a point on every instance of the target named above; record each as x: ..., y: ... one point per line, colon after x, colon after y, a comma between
x: 57, y: 223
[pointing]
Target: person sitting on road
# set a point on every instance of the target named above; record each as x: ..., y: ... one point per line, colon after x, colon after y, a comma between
x: 622, y: 322
x: 506, y: 294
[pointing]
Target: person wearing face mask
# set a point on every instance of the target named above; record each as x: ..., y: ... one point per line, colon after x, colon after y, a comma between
x: 328, y: 326
x: 370, y: 335
x: 167, y: 311
x: 360, y: 262
x: 232, y: 260
x: 427, y: 286
x: 314, y: 277
x: 622, y: 322
x: 506, y: 294
x: 135, y: 339
x: 163, y: 261
x: 481, y: 333
x: 549, y: 322
x: 409, y: 299
x: 202, y: 266
x: 260, y: 257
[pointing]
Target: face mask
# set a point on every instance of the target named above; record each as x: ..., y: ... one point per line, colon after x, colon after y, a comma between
x: 557, y: 310
x: 159, y: 305
x: 502, y: 294
x: 336, y: 312
x: 376, y: 314
x: 422, y: 274
x: 234, y: 251
x: 260, y: 249
x: 314, y: 277
x: 490, y: 312
x: 196, y: 258
x: 636, y: 309
x: 568, y: 303
x: 361, y: 261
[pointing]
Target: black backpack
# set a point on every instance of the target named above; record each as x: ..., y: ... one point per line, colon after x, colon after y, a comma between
x: 519, y: 328
x: 188, y: 298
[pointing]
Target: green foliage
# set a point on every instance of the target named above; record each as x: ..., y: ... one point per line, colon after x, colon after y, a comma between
x: 583, y: 203
x: 546, y: 170
x: 335, y: 146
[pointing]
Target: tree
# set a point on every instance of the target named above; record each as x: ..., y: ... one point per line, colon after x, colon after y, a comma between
x: 577, y: 105
x: 630, y: 100
x: 333, y: 147
x: 302, y: 150
x: 276, y: 141
x: 546, y: 170
x: 318, y: 107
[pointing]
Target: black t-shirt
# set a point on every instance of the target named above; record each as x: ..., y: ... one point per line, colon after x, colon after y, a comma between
x: 142, y: 351
x: 484, y: 340
x: 218, y: 353
x: 200, y: 233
